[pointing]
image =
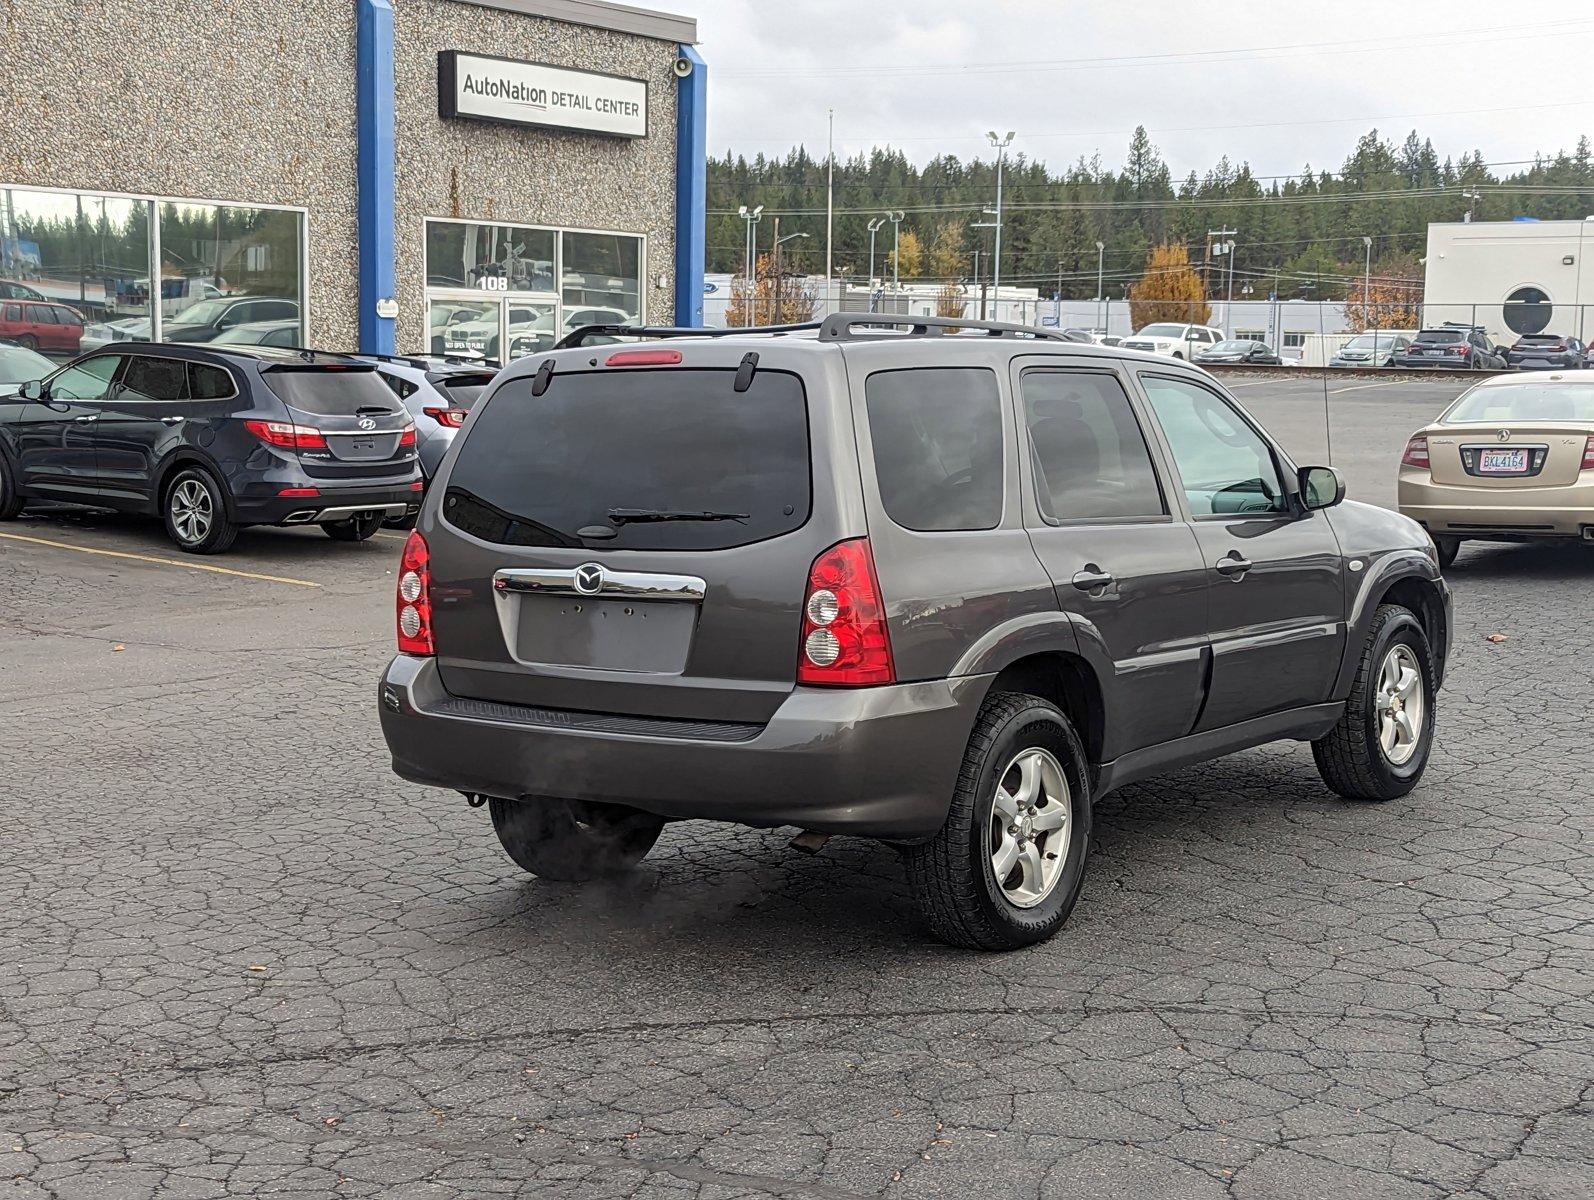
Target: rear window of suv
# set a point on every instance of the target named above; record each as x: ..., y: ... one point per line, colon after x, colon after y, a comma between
x: 1442, y: 335
x: 329, y: 391
x: 536, y: 470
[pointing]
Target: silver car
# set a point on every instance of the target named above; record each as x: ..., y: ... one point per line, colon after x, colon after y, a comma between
x: 438, y: 392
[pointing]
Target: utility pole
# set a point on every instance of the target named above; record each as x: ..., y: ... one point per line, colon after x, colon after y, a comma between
x: 830, y: 211
x: 895, y: 217
x: 1472, y: 196
x: 979, y: 281
x: 1101, y: 251
x: 1367, y: 291
x: 752, y: 216
x: 1226, y: 246
x: 1001, y: 145
x: 1057, y: 296
x: 774, y: 252
x: 874, y: 228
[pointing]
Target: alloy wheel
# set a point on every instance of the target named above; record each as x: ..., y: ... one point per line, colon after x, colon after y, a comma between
x: 192, y: 511
x: 1031, y: 824
x: 1400, y: 705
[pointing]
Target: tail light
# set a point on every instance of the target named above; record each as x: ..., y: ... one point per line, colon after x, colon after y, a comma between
x: 415, y: 599
x: 844, y: 637
x: 1588, y: 455
x: 1416, y: 454
x: 407, y: 438
x: 1460, y: 349
x: 286, y: 436
x: 452, y: 418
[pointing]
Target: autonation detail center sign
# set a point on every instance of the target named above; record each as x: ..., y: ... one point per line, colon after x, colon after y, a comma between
x: 522, y: 93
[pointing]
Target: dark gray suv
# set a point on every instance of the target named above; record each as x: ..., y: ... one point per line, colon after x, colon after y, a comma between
x: 937, y: 582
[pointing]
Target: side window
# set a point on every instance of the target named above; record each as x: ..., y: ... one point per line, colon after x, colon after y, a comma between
x: 156, y: 380
x: 13, y: 312
x: 87, y: 380
x: 1090, y: 457
x: 41, y: 314
x: 402, y: 388
x: 1224, y: 464
x: 937, y: 435
x: 286, y: 336
x: 206, y: 382
x: 65, y: 316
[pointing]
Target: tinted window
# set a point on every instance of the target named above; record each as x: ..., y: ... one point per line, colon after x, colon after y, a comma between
x: 937, y: 435
x: 41, y: 314
x: 1090, y: 456
x: 1224, y: 464
x: 208, y: 383
x: 155, y: 379
x: 1527, y: 401
x: 534, y: 470
x: 329, y: 391
x: 67, y: 316
x: 86, y: 380
x: 1441, y: 336
x: 13, y: 312
x: 462, y: 390
x: 402, y: 388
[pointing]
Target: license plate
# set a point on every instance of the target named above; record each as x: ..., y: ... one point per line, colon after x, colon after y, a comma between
x: 365, y: 444
x: 1503, y: 462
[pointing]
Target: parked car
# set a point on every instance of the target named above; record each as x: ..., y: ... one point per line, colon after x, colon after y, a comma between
x: 1240, y: 350
x: 1511, y: 460
x: 10, y: 289
x: 540, y: 335
x: 941, y: 591
x: 212, y: 440
x: 41, y: 326
x: 1371, y: 350
x: 438, y: 393
x: 205, y: 319
x: 102, y: 333
x: 1547, y: 352
x: 1174, y: 340
x: 1106, y: 339
x: 1457, y: 347
x: 281, y: 332
x: 19, y: 365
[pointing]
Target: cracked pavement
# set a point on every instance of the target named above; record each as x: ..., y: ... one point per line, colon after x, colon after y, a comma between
x: 240, y: 957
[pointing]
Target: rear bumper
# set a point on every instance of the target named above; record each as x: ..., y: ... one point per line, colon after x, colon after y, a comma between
x: 1566, y: 362
x: 878, y: 762
x: 331, y: 504
x: 1499, y: 512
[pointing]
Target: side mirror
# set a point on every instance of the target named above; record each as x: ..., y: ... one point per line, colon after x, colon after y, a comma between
x: 33, y: 389
x: 1321, y: 487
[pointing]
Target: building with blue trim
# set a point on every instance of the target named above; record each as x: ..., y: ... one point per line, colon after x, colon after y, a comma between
x: 459, y: 176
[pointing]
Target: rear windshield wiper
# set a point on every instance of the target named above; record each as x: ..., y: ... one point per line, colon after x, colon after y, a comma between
x: 639, y: 516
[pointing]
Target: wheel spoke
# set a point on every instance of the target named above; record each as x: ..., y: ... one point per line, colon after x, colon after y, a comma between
x: 1029, y: 780
x: 1406, y: 687
x: 1053, y: 816
x: 1005, y: 805
x: 1030, y: 858
x: 1405, y: 730
x: 1387, y: 733
x: 1006, y: 855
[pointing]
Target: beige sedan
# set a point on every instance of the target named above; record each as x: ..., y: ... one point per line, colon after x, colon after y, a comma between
x: 1511, y: 460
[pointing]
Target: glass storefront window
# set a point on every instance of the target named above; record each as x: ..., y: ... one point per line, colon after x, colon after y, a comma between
x: 489, y: 258
x: 602, y: 274
x: 229, y: 269
x: 88, y: 253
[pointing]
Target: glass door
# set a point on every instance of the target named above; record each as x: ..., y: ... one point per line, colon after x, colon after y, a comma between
x: 468, y: 324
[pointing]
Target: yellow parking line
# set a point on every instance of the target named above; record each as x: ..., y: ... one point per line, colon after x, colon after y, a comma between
x: 165, y: 562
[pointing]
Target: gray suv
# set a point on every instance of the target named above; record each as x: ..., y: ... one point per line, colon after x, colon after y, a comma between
x: 938, y: 582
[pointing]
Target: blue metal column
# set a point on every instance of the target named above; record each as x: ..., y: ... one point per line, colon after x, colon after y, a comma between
x: 691, y: 188
x: 373, y: 99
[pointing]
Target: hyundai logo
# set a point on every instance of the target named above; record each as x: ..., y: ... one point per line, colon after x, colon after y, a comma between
x: 589, y: 579
x: 1504, y: 435
x: 367, y: 423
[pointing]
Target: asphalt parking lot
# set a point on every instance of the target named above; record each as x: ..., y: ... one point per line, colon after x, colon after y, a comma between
x: 239, y: 957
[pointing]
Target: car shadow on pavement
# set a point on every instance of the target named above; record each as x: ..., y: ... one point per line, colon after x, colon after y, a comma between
x: 257, y: 545
x: 1521, y: 560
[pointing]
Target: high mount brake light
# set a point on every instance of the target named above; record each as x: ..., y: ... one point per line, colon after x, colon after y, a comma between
x: 1416, y: 454
x: 414, y: 599
x: 845, y: 642
x: 643, y: 358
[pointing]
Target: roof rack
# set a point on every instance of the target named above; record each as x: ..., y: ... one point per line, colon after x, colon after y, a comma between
x: 578, y: 337
x: 838, y: 327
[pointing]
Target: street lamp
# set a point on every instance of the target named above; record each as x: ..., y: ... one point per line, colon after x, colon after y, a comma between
x: 774, y: 318
x: 1367, y: 286
x: 1101, y: 251
x: 1001, y: 145
x: 874, y: 228
x: 895, y: 217
x: 752, y: 216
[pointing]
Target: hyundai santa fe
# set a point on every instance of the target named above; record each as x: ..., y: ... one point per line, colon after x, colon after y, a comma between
x: 937, y: 582
x: 212, y: 439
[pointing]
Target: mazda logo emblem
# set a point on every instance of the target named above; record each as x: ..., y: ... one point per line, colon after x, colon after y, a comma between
x: 367, y: 423
x: 1504, y: 435
x: 589, y: 579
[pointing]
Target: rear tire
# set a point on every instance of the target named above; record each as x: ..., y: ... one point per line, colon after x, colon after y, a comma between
x: 1448, y: 548
x: 355, y: 529
x: 1042, y: 833
x: 573, y: 840
x: 1357, y: 758
x: 28, y: 342
x: 11, y: 500
x: 195, y: 511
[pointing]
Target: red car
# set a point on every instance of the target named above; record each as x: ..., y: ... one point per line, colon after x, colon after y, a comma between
x: 41, y: 326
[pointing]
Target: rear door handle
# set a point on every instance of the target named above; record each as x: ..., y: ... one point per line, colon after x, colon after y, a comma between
x: 88, y: 420
x: 1091, y: 578
x: 1232, y: 565
x: 171, y: 420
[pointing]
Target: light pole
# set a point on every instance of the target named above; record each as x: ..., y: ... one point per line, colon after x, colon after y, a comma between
x: 1001, y: 145
x: 752, y: 216
x: 1226, y: 248
x: 895, y: 217
x: 1101, y: 252
x: 1367, y: 287
x: 774, y: 317
x: 980, y: 279
x: 874, y: 228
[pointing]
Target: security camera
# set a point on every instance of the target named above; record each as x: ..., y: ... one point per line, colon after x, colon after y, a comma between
x: 683, y: 67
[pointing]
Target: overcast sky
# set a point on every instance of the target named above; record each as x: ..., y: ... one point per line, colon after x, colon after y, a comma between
x: 1276, y: 84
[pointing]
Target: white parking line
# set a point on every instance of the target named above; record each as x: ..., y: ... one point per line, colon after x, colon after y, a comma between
x: 1356, y: 387
x: 163, y: 562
